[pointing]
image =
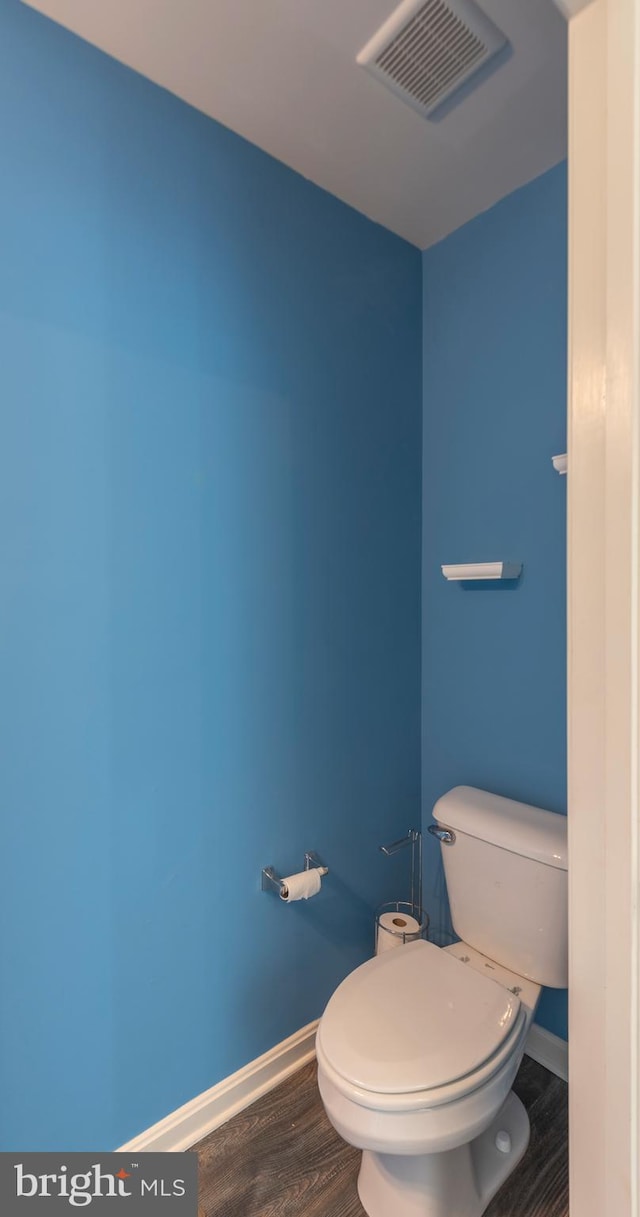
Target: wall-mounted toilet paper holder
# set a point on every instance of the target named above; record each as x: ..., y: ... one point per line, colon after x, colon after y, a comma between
x: 272, y: 882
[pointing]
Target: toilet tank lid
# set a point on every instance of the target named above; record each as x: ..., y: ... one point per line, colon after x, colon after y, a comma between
x: 516, y: 827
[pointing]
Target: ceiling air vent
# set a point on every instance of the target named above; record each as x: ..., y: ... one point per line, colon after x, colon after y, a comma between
x: 428, y: 48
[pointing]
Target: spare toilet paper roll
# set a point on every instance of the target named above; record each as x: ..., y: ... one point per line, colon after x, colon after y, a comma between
x: 391, y: 928
x: 299, y: 887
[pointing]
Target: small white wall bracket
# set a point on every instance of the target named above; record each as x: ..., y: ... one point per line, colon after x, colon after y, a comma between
x: 482, y: 570
x: 560, y: 463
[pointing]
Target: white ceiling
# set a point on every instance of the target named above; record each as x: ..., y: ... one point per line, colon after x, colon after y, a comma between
x: 283, y: 74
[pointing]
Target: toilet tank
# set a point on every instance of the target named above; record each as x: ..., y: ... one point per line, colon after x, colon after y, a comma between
x: 506, y: 873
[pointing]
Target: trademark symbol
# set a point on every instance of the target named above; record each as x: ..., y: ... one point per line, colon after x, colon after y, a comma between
x: 134, y: 1166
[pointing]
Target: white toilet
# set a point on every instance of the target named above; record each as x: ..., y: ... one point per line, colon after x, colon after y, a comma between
x: 418, y: 1048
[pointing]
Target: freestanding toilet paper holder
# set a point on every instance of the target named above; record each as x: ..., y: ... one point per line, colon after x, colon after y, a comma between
x: 398, y: 930
x: 414, y: 839
x: 272, y: 882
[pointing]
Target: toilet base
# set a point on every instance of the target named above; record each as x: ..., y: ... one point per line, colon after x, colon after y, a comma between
x: 458, y: 1181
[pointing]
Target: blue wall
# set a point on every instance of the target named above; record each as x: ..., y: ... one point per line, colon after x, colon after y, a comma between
x: 210, y: 611
x: 494, y: 413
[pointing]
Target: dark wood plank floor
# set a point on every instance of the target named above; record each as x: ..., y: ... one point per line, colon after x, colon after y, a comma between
x: 539, y: 1187
x: 282, y: 1158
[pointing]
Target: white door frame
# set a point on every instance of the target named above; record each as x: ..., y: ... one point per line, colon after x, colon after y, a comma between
x: 604, y: 593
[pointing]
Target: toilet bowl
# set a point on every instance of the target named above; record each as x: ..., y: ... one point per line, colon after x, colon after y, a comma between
x: 417, y: 1051
x: 418, y: 1048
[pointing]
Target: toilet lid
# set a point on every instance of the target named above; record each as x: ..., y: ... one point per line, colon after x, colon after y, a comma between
x: 414, y: 1018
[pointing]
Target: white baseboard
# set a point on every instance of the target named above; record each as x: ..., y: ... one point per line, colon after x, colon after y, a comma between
x: 548, y: 1050
x: 189, y: 1124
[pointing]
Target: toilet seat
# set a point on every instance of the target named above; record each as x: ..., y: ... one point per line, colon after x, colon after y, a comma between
x: 421, y: 1100
x: 415, y: 1028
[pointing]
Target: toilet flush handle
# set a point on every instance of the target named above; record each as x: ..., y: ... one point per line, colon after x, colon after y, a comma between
x: 446, y: 836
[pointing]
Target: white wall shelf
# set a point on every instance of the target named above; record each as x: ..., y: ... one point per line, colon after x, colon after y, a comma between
x: 482, y: 570
x: 560, y: 463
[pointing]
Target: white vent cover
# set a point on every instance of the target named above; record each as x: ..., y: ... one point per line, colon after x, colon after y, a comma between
x: 428, y: 48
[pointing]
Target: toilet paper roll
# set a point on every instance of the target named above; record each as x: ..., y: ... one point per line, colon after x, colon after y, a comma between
x: 299, y: 887
x: 390, y: 930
